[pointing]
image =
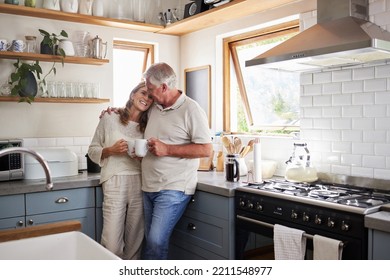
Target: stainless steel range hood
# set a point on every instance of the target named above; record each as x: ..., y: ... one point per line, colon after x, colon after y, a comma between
x: 343, y: 36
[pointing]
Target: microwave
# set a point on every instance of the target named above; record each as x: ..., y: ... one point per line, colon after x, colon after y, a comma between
x: 11, y: 165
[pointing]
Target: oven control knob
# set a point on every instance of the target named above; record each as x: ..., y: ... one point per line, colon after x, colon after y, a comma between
x: 294, y: 215
x: 305, y: 217
x: 242, y: 203
x: 344, y: 226
x: 259, y: 207
x: 330, y: 223
x: 317, y: 220
x: 250, y: 204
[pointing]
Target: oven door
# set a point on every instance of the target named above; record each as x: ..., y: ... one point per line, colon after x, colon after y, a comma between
x: 254, y: 238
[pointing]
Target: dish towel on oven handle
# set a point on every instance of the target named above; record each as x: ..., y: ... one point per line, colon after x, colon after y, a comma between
x: 325, y: 248
x: 289, y: 243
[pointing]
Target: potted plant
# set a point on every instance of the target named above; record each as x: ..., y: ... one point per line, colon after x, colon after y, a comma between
x: 23, y: 81
x: 49, y: 44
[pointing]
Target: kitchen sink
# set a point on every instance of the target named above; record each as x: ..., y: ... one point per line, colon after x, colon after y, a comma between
x: 73, y: 245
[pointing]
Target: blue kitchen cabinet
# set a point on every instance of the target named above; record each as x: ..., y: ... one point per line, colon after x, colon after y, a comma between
x: 12, y: 211
x: 99, y: 213
x: 379, y: 244
x: 206, y: 230
x: 55, y: 206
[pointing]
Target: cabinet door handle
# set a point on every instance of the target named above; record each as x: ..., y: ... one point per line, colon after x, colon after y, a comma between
x: 192, y: 199
x: 30, y: 222
x: 62, y: 200
x: 20, y: 223
x: 191, y: 226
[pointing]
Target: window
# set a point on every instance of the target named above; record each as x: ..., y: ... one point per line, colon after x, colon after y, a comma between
x: 258, y: 99
x: 130, y: 61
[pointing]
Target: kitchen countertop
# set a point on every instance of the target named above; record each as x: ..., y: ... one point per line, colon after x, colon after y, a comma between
x: 379, y: 220
x: 84, y: 179
x: 212, y: 182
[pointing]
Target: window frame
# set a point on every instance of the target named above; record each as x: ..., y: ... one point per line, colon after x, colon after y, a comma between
x: 147, y: 49
x: 230, y: 57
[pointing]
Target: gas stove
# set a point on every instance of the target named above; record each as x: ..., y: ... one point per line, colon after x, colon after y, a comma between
x: 345, y: 198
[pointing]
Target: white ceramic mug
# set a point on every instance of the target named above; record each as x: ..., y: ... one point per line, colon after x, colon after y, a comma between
x: 131, y: 147
x: 18, y: 45
x: 67, y: 46
x: 52, y: 4
x: 4, y: 45
x: 141, y: 147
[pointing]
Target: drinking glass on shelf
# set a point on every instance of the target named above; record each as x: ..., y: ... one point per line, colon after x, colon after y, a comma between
x: 61, y: 89
x: 70, y: 89
x: 51, y: 89
x: 95, y: 90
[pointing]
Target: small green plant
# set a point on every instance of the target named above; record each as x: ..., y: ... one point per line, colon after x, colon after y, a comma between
x: 52, y: 40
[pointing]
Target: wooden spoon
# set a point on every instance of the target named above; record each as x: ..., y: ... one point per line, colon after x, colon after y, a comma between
x: 244, y: 151
x: 226, y: 143
x: 250, y: 144
x: 237, y: 145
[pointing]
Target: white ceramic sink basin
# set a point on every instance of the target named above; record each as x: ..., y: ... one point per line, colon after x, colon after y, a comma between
x: 72, y: 245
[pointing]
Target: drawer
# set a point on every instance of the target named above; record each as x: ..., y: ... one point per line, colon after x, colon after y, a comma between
x: 12, y: 206
x: 54, y: 201
x: 210, y: 204
x: 204, y: 231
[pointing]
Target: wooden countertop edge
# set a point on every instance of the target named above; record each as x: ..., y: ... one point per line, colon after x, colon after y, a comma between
x: 40, y: 230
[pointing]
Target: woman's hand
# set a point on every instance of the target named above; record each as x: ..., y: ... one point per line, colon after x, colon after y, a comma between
x: 119, y: 148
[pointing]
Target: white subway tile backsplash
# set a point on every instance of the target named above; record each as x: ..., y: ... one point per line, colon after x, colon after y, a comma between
x: 314, y: 112
x: 382, y: 124
x: 306, y: 79
x: 382, y: 97
x: 341, y: 169
x: 362, y: 148
x: 382, y: 149
x: 352, y: 87
x: 82, y: 140
x: 382, y: 174
x: 65, y: 141
x: 352, y: 135
x: 341, y: 99
x: 322, y: 100
x: 363, y: 98
x: 322, y: 77
x: 322, y: 123
x: 306, y: 101
x: 332, y: 88
x: 363, y: 73
x: 342, y: 76
x: 375, y: 84
x: 374, y: 161
x: 353, y: 160
x: 47, y: 142
x: 333, y: 112
x: 374, y: 136
x: 382, y: 71
x: 331, y: 135
x: 340, y: 123
x: 312, y: 89
x: 362, y: 171
x: 378, y: 111
x: 342, y: 147
x: 352, y: 111
x: 363, y: 124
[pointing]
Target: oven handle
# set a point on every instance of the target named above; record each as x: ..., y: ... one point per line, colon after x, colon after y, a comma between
x: 342, y: 244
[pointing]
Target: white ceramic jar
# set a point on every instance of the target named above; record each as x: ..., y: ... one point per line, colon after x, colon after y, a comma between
x: 85, y: 7
x: 98, y: 8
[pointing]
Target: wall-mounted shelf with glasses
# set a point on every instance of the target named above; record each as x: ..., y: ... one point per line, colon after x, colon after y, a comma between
x: 56, y: 100
x: 56, y: 58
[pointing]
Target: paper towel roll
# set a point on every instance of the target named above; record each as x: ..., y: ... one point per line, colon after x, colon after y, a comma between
x: 257, y: 172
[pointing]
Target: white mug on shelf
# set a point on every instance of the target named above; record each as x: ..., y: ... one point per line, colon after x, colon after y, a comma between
x: 4, y: 45
x: 69, y: 6
x: 18, y: 45
x: 85, y: 7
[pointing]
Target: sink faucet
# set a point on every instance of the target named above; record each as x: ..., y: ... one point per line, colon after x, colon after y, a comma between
x: 37, y: 156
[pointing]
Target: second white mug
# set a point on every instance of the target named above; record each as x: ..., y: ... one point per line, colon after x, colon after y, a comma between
x: 141, y: 147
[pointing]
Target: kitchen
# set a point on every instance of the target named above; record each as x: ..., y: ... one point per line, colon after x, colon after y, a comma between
x: 351, y: 138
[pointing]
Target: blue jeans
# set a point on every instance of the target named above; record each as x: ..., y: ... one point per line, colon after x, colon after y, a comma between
x: 162, y: 211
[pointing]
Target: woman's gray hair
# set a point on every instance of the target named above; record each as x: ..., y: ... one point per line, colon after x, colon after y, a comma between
x: 161, y: 73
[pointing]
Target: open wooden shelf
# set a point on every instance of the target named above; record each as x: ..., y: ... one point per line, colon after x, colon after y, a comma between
x: 56, y: 100
x: 56, y: 58
x: 75, y: 17
x: 229, y: 11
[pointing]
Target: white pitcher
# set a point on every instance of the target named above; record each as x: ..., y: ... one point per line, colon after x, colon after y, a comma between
x: 51, y: 4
